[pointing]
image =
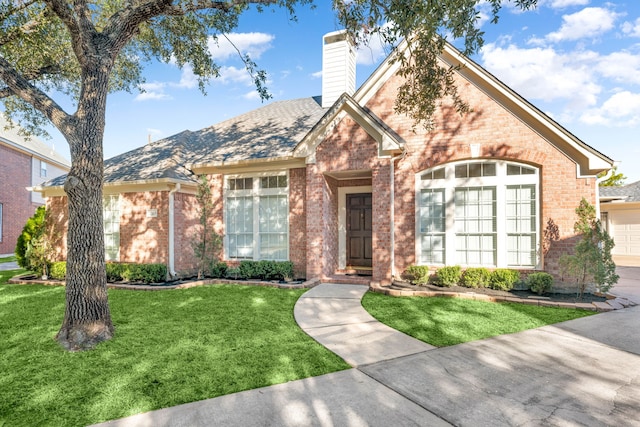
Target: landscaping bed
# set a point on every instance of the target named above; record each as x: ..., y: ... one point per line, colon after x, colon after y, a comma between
x: 526, y: 294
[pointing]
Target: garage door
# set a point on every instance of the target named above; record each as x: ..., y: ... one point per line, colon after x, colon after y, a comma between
x: 625, y: 230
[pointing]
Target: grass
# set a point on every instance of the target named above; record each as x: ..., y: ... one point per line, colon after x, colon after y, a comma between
x: 171, y: 347
x: 448, y: 321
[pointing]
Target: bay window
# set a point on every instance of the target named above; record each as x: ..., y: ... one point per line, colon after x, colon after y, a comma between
x: 478, y: 213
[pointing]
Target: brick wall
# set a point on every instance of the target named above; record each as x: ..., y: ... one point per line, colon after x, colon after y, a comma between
x: 143, y: 238
x: 501, y: 136
x: 298, y: 221
x: 59, y: 220
x: 15, y: 177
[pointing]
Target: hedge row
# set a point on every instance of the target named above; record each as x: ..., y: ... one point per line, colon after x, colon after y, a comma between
x: 477, y: 277
x: 118, y: 272
x: 261, y: 270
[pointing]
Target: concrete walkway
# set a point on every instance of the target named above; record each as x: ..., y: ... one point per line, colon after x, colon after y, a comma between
x: 581, y: 372
x: 9, y: 266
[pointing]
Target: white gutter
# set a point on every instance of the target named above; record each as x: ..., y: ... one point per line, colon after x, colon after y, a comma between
x: 392, y: 213
x: 172, y: 269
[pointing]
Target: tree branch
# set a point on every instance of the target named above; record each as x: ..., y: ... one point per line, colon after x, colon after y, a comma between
x: 20, y: 86
x: 80, y: 39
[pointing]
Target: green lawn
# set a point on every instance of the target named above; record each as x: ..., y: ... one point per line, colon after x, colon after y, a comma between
x: 180, y: 346
x: 171, y: 347
x: 448, y: 321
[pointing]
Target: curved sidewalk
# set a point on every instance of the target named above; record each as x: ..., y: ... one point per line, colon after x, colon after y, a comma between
x: 333, y: 315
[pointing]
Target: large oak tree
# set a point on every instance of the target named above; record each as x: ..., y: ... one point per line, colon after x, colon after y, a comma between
x: 53, y: 51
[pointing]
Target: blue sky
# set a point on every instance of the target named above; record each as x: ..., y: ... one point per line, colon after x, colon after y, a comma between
x: 576, y: 60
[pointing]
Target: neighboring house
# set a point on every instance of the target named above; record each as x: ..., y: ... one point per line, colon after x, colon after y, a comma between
x: 620, y: 213
x: 342, y: 184
x: 24, y: 163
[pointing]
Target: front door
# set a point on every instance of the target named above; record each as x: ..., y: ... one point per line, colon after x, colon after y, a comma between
x: 359, y: 242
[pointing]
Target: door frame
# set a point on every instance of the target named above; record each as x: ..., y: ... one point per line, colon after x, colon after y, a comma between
x: 342, y: 219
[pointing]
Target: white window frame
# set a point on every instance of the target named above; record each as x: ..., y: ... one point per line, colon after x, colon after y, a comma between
x: 43, y: 169
x: 256, y: 192
x: 119, y: 210
x: 500, y: 181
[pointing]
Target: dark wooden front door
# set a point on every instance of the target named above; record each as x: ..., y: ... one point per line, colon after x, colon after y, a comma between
x: 359, y: 242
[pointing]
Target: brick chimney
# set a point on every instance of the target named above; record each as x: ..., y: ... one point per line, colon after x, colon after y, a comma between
x: 338, y: 67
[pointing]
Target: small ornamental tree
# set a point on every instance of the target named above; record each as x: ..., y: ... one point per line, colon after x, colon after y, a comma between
x: 206, y: 246
x: 33, y: 229
x: 591, y: 260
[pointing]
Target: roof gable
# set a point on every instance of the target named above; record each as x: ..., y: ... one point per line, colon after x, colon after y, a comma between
x: 588, y: 160
x: 388, y: 140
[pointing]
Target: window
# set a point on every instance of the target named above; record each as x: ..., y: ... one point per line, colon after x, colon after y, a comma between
x: 43, y: 169
x: 111, y: 224
x: 475, y: 219
x: 482, y: 213
x: 257, y: 217
x: 521, y: 225
x: 432, y: 226
x: 0, y: 222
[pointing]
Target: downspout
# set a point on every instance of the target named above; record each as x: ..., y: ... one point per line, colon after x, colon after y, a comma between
x: 172, y: 220
x: 392, y: 212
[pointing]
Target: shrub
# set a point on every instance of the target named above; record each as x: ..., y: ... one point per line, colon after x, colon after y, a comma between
x: 58, y: 270
x: 475, y: 277
x: 503, y: 279
x: 284, y: 270
x: 417, y: 274
x: 145, y: 273
x: 33, y: 228
x: 114, y: 271
x: 540, y: 283
x: 246, y: 270
x: 233, y: 273
x: 219, y: 269
x: 448, y: 276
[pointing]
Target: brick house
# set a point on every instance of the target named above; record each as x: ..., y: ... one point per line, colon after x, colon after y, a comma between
x: 341, y: 183
x: 24, y: 163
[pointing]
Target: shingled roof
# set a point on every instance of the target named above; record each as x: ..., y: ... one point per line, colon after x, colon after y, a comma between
x: 272, y: 131
x: 627, y: 193
x: 11, y: 136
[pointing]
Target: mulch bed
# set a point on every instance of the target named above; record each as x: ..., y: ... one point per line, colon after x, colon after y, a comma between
x: 556, y: 297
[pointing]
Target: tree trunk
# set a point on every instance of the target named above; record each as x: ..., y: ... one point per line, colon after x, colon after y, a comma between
x: 87, y: 320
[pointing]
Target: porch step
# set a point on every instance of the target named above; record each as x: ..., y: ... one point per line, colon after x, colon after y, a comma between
x: 347, y: 279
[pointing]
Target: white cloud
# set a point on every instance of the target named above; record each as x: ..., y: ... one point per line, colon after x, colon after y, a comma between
x: 254, y: 44
x: 631, y: 29
x: 152, y: 92
x: 623, y: 67
x: 233, y: 75
x: 588, y: 23
x: 188, y: 80
x: 544, y: 74
x: 621, y: 109
x: 317, y: 75
x: 252, y: 96
x: 561, y: 4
